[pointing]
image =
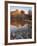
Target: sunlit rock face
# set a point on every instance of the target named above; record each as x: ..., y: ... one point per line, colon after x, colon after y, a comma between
x: 15, y: 12
x: 19, y: 17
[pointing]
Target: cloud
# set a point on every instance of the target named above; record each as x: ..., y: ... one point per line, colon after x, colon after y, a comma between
x: 12, y: 8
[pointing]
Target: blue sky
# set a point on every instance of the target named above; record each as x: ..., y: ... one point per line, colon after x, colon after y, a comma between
x: 20, y: 7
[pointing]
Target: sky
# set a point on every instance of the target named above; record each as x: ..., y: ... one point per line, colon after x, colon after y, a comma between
x: 12, y: 8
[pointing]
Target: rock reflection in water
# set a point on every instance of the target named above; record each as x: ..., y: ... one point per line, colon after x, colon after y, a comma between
x: 21, y: 32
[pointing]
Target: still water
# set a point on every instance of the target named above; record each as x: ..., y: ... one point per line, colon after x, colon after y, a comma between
x: 21, y: 32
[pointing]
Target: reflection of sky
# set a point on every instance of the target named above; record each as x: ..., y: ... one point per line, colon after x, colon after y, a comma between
x: 20, y: 7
